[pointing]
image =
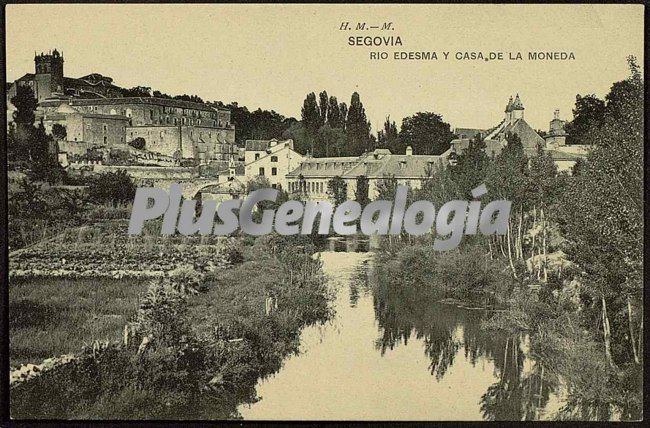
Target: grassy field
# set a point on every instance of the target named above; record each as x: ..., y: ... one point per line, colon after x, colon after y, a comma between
x: 50, y: 317
x: 208, y: 350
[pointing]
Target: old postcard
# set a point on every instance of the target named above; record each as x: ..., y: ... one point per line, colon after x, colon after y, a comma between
x: 325, y: 212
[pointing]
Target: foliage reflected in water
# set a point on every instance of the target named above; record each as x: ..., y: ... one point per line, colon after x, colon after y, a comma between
x: 448, y: 332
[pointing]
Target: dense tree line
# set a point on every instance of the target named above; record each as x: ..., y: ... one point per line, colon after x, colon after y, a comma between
x: 425, y: 132
x: 330, y: 128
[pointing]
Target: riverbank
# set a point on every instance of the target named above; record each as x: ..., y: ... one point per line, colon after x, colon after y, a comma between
x: 196, y: 350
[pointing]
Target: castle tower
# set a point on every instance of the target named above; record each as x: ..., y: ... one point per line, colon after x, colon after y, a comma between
x: 50, y: 64
x: 517, y: 109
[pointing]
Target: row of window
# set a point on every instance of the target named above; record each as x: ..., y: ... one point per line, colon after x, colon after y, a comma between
x: 167, y: 120
x: 193, y: 113
x: 274, y: 171
x: 326, y: 165
x: 303, y: 186
x: 273, y: 158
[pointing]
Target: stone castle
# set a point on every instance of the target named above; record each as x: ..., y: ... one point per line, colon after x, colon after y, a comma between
x: 96, y: 115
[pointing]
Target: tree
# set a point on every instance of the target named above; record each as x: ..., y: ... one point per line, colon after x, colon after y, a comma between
x: 507, y: 179
x: 191, y: 98
x: 323, y: 106
x: 298, y: 133
x: 578, y: 167
x: 334, y: 119
x: 137, y: 91
x: 112, y: 187
x: 361, y: 193
x: 43, y: 156
x: 426, y: 133
x: 311, y: 118
x: 588, y: 115
x: 138, y: 143
x: 387, y: 188
x: 310, y: 113
x: 357, y: 127
x: 472, y: 166
x: 259, y: 124
x: 337, y: 189
x: 25, y: 104
x: 263, y: 183
x: 388, y: 138
x: 602, y: 219
x: 331, y: 141
x: 20, y: 132
x: 343, y: 115
x: 59, y: 132
x: 159, y: 94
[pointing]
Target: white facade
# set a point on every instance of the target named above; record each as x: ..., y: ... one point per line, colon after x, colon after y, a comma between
x: 274, y: 163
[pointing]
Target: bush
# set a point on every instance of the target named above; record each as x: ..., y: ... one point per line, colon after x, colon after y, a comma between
x: 466, y: 274
x: 233, y: 252
x: 114, y: 187
x: 138, y: 143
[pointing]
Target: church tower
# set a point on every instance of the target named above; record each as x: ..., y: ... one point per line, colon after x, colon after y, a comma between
x: 556, y: 134
x: 50, y: 64
x: 517, y: 109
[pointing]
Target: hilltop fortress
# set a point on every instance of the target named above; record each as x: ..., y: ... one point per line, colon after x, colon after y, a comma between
x: 96, y: 115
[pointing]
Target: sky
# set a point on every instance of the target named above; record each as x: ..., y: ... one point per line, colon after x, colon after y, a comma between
x: 271, y: 56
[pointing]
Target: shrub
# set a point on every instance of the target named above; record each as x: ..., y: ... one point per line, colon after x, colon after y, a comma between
x: 114, y: 187
x: 138, y: 143
x: 233, y: 252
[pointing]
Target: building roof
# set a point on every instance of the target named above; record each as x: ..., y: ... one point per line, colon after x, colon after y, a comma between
x: 530, y: 139
x: 256, y: 145
x: 325, y: 167
x: 27, y: 76
x: 136, y: 100
x: 71, y: 82
x: 398, y: 166
x: 468, y: 132
x: 492, y: 147
x: 274, y: 153
x: 517, y: 104
x: 263, y: 145
x: 66, y: 108
x: 232, y: 186
x: 373, y: 165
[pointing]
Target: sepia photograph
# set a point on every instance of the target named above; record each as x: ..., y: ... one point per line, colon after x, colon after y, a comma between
x: 324, y: 212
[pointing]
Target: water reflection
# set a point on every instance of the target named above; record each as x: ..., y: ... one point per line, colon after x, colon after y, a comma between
x: 521, y: 391
x: 391, y: 353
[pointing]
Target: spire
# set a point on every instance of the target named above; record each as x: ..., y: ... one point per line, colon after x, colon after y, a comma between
x: 517, y: 104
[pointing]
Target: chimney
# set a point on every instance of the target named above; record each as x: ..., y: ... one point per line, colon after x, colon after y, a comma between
x: 409, y: 150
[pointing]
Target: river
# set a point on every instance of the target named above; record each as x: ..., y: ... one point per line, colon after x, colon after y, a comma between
x: 390, y: 355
